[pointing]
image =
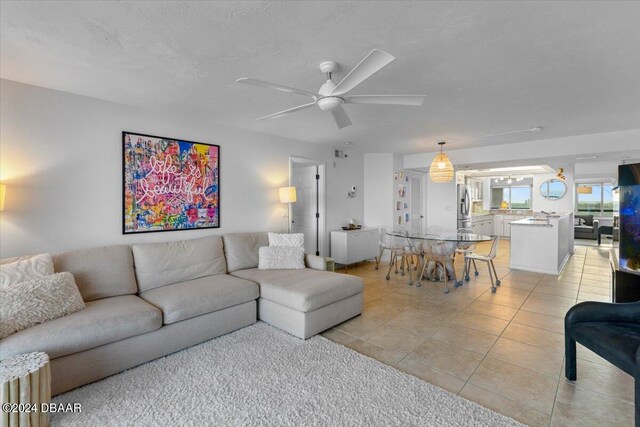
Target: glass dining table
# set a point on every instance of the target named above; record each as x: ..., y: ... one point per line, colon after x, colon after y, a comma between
x: 435, y: 252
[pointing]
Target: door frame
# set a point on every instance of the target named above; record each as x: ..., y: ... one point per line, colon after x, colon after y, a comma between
x: 424, y: 178
x: 322, y: 202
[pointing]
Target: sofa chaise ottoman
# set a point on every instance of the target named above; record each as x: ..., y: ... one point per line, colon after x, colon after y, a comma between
x: 301, y: 302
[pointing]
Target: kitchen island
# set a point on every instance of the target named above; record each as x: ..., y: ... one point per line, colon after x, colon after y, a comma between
x: 542, y: 244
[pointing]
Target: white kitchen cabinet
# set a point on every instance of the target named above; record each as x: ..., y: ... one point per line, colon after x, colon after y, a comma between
x: 498, y: 221
x: 352, y: 246
x: 508, y: 219
x: 482, y: 224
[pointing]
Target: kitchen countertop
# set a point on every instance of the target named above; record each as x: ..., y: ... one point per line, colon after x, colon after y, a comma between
x: 541, y: 221
x: 504, y: 212
x: 538, y: 222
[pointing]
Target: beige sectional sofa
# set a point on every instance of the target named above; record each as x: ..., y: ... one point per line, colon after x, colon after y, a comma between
x: 147, y: 301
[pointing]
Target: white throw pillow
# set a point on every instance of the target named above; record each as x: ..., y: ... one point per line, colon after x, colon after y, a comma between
x: 280, y: 258
x: 286, y: 239
x: 32, y: 302
x: 22, y: 270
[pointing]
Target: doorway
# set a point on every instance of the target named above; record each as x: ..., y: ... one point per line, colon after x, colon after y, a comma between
x: 417, y: 208
x: 307, y: 214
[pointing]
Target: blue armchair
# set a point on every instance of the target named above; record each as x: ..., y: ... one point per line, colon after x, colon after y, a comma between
x: 610, y: 330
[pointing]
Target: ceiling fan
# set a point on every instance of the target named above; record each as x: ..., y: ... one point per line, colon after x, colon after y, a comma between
x: 331, y: 96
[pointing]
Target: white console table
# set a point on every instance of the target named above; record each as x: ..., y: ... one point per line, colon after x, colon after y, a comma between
x: 352, y: 246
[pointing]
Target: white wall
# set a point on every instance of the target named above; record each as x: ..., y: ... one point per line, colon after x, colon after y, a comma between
x: 441, y: 205
x: 540, y: 203
x: 379, y: 191
x: 61, y: 158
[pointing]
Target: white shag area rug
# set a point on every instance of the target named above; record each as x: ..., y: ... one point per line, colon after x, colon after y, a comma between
x: 259, y: 376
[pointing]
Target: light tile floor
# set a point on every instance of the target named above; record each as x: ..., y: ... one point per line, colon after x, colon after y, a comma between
x: 503, y: 350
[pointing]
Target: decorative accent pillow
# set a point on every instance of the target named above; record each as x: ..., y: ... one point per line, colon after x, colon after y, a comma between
x: 280, y: 258
x: 22, y: 270
x: 32, y: 302
x: 286, y: 239
x: 578, y: 221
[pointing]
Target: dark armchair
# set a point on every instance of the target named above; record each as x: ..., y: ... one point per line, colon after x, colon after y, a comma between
x: 612, y: 331
x: 588, y: 229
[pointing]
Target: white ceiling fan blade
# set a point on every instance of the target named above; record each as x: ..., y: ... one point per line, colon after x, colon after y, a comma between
x: 290, y: 110
x: 370, y: 65
x: 416, y: 100
x: 342, y: 120
x: 281, y: 88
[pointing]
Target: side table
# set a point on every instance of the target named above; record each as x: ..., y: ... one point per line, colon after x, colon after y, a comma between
x: 25, y: 383
x: 604, y: 230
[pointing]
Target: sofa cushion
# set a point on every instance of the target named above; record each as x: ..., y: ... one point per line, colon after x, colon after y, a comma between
x: 303, y: 290
x: 159, y: 264
x: 26, y: 304
x: 102, y: 321
x: 241, y: 249
x: 99, y: 272
x: 584, y: 229
x: 286, y: 239
x: 280, y: 257
x: 185, y: 300
x: 588, y: 219
x: 29, y: 268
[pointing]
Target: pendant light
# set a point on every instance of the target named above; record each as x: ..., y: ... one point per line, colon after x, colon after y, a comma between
x: 441, y: 169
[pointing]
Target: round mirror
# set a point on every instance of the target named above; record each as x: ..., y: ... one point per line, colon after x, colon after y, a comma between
x: 553, y: 189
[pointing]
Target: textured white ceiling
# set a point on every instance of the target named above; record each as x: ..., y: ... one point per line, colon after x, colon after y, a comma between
x: 486, y: 67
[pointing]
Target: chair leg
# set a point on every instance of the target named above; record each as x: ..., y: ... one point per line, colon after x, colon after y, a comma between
x: 570, y: 361
x: 391, y: 263
x: 379, y: 256
x: 424, y: 267
x: 493, y: 285
x: 638, y: 399
x: 446, y: 280
x: 475, y: 267
x: 495, y: 273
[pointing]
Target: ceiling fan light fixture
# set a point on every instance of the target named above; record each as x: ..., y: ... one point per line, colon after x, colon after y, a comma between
x: 441, y: 169
x: 330, y: 103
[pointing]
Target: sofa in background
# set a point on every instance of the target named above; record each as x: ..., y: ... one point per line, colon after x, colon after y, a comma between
x: 147, y: 301
x: 589, y: 230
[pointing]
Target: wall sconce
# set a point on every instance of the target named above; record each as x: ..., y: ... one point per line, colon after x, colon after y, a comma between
x: 3, y: 189
x: 288, y: 195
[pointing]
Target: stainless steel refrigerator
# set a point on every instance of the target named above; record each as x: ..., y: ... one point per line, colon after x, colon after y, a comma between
x: 464, y: 207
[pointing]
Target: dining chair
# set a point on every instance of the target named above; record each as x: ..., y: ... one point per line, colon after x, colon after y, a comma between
x: 437, y: 253
x: 384, y: 241
x: 493, y: 275
x: 465, y: 249
x: 400, y: 251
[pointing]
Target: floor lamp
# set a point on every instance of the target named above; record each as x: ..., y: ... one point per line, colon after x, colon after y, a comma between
x: 288, y: 195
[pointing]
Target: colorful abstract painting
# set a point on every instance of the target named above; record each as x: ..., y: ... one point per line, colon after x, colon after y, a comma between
x: 169, y: 184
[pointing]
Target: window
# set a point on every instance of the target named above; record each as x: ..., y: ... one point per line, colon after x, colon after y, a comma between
x: 511, y: 197
x: 594, y: 199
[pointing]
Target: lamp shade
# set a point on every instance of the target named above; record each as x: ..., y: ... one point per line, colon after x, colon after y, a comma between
x: 288, y: 195
x: 3, y: 188
x: 585, y: 190
x: 441, y: 169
